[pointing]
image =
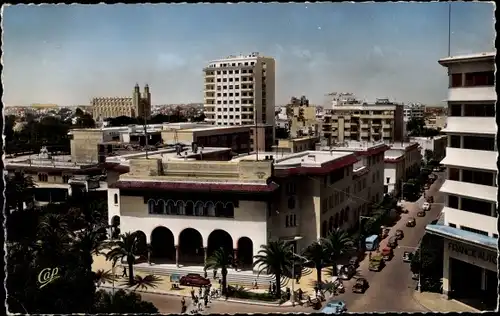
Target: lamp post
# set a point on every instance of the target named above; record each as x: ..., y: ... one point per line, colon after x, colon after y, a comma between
x: 419, y: 248
x: 292, y: 296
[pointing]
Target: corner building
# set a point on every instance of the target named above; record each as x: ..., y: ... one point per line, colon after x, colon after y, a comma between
x: 470, y: 228
x: 188, y: 208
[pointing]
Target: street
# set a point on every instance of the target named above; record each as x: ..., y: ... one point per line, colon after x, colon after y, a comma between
x: 168, y: 304
x: 391, y: 289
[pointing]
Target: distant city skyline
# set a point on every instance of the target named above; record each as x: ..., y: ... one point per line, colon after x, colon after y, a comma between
x: 68, y: 54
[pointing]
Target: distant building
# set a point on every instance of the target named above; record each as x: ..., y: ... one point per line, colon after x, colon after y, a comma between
x: 301, y: 118
x: 413, y: 111
x: 136, y: 106
x: 240, y: 90
x: 357, y: 121
x: 436, y: 144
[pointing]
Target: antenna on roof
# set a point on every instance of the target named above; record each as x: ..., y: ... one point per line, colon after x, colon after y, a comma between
x: 449, y: 29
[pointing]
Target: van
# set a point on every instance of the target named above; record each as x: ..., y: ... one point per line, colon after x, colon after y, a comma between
x: 372, y: 242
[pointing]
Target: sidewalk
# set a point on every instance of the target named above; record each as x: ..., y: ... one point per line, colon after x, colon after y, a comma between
x: 435, y: 302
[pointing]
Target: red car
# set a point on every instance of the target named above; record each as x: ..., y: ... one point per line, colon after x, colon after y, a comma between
x: 194, y: 279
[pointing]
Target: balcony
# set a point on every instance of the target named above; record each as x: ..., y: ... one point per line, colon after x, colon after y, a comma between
x: 365, y: 126
x: 386, y: 126
x: 386, y: 134
x: 472, y: 94
x: 471, y: 125
x: 364, y: 134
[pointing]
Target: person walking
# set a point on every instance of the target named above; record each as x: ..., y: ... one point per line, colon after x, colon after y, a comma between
x: 124, y: 273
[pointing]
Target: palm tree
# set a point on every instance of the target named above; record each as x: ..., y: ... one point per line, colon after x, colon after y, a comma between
x: 220, y: 259
x: 276, y: 258
x: 337, y: 243
x: 90, y: 241
x: 126, y: 247
x: 148, y: 281
x: 19, y: 189
x: 317, y: 254
x: 102, y: 277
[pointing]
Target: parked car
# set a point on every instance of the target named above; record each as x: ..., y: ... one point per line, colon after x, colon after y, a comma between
x: 193, y: 279
x: 407, y: 256
x: 421, y: 214
x: 411, y: 222
x: 426, y: 207
x: 360, y: 286
x: 430, y: 199
x: 346, y: 272
x: 392, y: 242
x: 427, y: 186
x: 436, y: 169
x: 387, y: 253
x: 399, y: 234
x: 334, y: 307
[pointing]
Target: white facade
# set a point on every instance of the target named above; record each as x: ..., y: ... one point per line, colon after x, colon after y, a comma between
x: 471, y: 155
x: 240, y: 90
x: 250, y: 220
x: 436, y: 144
x: 414, y: 110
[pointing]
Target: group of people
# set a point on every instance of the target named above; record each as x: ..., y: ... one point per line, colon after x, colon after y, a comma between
x: 199, y: 302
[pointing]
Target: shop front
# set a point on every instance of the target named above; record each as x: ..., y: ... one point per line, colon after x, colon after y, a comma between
x: 470, y: 274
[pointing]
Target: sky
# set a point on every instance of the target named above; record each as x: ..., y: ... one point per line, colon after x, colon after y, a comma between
x: 67, y: 54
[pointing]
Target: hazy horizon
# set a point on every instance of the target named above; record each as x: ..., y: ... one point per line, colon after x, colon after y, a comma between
x: 67, y: 54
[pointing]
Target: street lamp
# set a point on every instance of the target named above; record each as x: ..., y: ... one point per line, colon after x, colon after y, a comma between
x: 419, y: 264
x: 292, y: 296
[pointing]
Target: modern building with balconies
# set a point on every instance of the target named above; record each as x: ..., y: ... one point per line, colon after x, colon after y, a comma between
x: 470, y: 229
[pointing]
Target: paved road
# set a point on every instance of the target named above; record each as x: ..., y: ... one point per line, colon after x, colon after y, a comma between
x: 168, y: 304
x: 392, y: 288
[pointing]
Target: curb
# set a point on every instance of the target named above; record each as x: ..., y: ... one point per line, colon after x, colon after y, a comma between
x: 160, y: 292
x: 419, y: 302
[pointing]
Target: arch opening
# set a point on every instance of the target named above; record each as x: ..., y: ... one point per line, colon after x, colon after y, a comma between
x: 191, y: 247
x: 245, y: 253
x: 162, y: 245
x: 217, y: 239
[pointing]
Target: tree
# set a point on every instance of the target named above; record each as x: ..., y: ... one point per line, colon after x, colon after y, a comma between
x: 282, y: 133
x: 428, y: 155
x: 103, y: 277
x: 121, y: 303
x: 148, y: 281
x: 415, y: 126
x: 222, y: 260
x: 19, y: 190
x: 336, y: 244
x: 276, y: 258
x: 126, y: 248
x: 316, y: 253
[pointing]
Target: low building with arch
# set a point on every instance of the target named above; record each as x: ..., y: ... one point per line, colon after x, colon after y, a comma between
x: 189, y: 208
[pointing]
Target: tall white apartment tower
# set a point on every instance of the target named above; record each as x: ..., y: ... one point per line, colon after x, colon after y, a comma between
x: 240, y: 90
x: 470, y: 228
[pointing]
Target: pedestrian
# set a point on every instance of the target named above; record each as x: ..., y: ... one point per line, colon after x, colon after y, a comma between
x: 200, y: 308
x: 206, y: 301
x: 205, y: 274
x: 300, y: 293
x: 270, y: 287
x: 192, y: 294
x: 200, y: 292
x: 183, y: 301
x: 124, y: 273
x: 370, y: 255
x: 215, y: 274
x: 274, y: 288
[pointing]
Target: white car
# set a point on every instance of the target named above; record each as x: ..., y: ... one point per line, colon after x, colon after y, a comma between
x: 426, y: 206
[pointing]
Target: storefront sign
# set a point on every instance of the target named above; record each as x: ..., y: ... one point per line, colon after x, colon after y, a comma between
x: 473, y: 254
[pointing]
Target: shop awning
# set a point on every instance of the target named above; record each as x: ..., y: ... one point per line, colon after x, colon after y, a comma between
x: 463, y: 236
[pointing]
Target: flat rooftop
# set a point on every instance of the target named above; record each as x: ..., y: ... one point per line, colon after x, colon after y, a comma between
x: 302, y: 159
x: 55, y: 162
x: 468, y: 58
x: 352, y: 145
x: 166, y: 154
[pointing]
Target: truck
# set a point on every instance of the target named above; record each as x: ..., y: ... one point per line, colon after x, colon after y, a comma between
x: 376, y: 263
